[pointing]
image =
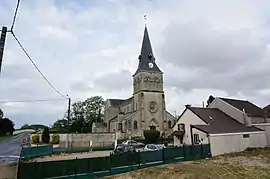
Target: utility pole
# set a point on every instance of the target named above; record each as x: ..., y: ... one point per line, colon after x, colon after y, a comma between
x: 2, y: 44
x: 68, y: 117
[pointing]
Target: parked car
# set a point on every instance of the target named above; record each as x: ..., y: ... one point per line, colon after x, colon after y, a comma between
x: 134, y: 143
x: 154, y: 147
x: 123, y: 148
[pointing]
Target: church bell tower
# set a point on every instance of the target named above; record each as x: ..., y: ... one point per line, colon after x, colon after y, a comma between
x: 149, y: 99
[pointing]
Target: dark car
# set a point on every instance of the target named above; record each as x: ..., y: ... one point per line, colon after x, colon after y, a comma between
x: 122, y: 148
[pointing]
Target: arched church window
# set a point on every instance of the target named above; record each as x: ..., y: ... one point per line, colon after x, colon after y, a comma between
x: 170, y: 124
x: 135, y: 125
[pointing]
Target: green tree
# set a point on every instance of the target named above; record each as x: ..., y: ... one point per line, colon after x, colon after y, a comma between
x: 84, y: 113
x: 6, y: 126
x: 94, y: 110
x: 1, y: 114
x: 45, y: 136
x: 60, y: 126
x: 25, y: 126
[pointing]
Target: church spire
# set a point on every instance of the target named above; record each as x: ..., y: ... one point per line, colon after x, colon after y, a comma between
x: 146, y: 58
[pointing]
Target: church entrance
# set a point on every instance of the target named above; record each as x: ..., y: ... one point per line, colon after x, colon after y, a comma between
x: 153, y: 125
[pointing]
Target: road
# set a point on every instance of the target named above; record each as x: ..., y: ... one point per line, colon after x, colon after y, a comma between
x: 10, y: 150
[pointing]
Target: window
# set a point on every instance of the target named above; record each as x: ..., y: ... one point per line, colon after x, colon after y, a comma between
x: 196, y: 138
x: 135, y: 125
x: 128, y: 109
x: 129, y: 124
x: 245, y: 135
x: 170, y: 124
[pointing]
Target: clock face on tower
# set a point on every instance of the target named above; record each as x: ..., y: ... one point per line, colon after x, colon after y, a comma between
x: 151, y: 65
x: 153, y: 107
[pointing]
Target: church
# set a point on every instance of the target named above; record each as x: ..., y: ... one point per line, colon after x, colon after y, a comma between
x: 146, y: 108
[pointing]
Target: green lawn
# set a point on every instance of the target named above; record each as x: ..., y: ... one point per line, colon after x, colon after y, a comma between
x: 245, y: 165
x: 3, y: 138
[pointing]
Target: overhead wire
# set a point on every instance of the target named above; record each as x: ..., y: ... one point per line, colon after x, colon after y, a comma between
x: 15, y: 15
x: 31, y: 101
x: 27, y: 54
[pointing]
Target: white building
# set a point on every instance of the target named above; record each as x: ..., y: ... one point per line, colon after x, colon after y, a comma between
x: 212, y: 125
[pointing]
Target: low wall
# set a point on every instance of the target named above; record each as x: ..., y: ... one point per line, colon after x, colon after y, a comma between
x: 266, y: 127
x: 83, y: 140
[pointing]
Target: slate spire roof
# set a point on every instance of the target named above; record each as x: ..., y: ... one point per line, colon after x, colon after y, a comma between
x: 147, y: 56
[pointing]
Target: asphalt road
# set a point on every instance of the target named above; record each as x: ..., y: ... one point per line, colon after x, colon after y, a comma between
x: 10, y: 150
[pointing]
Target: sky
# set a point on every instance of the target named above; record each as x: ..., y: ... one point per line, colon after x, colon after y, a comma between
x: 87, y: 48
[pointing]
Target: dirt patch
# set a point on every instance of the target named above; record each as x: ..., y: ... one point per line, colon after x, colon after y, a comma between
x: 8, y: 171
x: 72, y: 156
x: 243, y: 160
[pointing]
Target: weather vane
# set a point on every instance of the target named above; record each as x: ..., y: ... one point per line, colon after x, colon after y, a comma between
x: 145, y: 18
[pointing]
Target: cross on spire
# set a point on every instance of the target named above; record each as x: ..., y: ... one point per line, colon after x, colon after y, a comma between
x: 145, y: 18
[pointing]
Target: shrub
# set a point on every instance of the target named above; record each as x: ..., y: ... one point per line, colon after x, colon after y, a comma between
x: 55, y: 139
x: 151, y: 136
x: 45, y: 135
x: 35, y: 139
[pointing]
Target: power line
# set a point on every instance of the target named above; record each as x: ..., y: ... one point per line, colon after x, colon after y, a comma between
x: 31, y: 101
x: 33, y: 63
x: 15, y: 15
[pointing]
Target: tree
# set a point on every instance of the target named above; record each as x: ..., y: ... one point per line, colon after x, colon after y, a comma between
x: 1, y: 114
x: 94, y: 110
x: 84, y: 113
x: 151, y: 136
x: 61, y: 126
x: 6, y: 127
x: 25, y: 126
x: 45, y: 136
x: 210, y: 100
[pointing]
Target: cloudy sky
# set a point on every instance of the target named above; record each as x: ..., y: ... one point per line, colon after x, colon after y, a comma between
x: 88, y: 48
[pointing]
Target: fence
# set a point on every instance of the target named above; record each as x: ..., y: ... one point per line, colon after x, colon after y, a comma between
x: 29, y: 152
x: 33, y: 152
x: 109, y: 165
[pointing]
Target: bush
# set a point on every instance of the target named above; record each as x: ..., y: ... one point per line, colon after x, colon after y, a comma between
x: 45, y: 135
x: 55, y: 139
x: 151, y: 136
x: 35, y: 139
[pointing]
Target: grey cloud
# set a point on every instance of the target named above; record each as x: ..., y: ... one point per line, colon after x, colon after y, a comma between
x: 114, y: 81
x: 225, y: 60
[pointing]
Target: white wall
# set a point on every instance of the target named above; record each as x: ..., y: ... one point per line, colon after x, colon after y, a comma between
x: 228, y: 143
x: 266, y: 127
x: 188, y: 118
x: 202, y: 136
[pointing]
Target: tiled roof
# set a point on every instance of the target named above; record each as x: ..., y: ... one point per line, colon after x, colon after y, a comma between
x: 219, y: 122
x: 251, y: 109
x: 127, y: 101
x: 116, y: 102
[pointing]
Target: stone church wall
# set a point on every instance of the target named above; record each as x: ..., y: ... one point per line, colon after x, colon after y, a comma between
x: 83, y: 140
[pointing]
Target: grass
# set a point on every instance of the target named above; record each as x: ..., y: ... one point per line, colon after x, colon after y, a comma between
x: 250, y: 164
x: 8, y: 137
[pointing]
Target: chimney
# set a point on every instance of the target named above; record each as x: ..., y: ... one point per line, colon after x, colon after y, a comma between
x: 187, y: 105
x: 247, y: 120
